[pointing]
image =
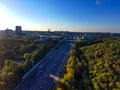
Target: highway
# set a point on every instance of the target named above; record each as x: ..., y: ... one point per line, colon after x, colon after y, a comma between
x: 39, y: 78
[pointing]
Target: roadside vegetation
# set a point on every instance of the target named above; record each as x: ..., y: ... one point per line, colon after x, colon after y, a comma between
x: 14, y: 50
x: 93, y: 65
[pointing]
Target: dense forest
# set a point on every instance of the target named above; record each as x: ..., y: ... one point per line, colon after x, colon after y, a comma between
x: 93, y: 66
x: 14, y: 50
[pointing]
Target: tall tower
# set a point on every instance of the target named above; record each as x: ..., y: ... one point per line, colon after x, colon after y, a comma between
x: 18, y: 30
x: 48, y: 33
x: 49, y: 30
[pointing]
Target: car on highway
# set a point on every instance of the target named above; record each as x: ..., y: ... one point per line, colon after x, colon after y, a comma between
x: 39, y: 72
x: 40, y: 66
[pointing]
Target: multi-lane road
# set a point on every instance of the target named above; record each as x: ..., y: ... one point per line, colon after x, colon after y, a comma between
x: 39, y: 77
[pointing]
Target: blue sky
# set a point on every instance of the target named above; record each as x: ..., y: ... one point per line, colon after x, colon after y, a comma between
x: 66, y: 15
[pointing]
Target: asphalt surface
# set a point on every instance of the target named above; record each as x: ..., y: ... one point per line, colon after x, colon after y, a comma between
x: 39, y: 78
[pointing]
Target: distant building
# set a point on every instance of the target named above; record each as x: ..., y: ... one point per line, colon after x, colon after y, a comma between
x: 9, y: 32
x: 54, y: 37
x: 18, y: 30
x: 2, y: 33
x: 43, y: 37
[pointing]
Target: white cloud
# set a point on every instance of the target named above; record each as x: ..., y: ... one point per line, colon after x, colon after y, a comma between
x: 48, y: 20
x: 98, y: 2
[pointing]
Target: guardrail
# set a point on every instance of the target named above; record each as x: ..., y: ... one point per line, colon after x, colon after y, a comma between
x: 41, y: 61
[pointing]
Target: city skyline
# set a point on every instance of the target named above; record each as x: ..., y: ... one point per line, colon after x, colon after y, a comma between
x: 66, y: 15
